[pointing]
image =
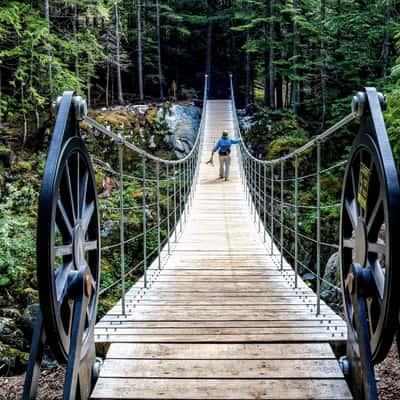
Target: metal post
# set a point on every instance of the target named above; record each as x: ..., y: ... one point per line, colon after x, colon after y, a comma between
x: 184, y: 184
x: 254, y: 185
x: 272, y: 210
x: 121, y: 222
x: 245, y: 179
x: 144, y: 224
x: 175, y: 220
x: 190, y: 183
x: 248, y: 179
x: 282, y: 199
x: 243, y: 171
x: 265, y: 203
x: 296, y: 218
x: 180, y: 198
x: 168, y: 216
x: 259, y: 197
x: 187, y: 196
x: 158, y: 214
x: 318, y: 228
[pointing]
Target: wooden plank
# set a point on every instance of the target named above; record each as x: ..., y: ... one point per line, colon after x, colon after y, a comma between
x: 242, y: 331
x: 122, y: 388
x: 241, y: 315
x: 215, y: 308
x: 221, y: 369
x: 323, y: 324
x: 220, y: 320
x: 237, y: 338
x: 222, y: 351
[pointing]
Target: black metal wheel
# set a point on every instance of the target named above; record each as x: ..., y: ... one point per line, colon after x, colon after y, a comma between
x: 369, y: 228
x: 68, y: 242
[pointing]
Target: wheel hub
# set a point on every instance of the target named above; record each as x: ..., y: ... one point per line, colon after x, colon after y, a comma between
x: 78, y: 246
x: 361, y: 250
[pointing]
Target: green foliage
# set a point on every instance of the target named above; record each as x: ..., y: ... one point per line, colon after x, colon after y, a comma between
x: 392, y: 119
x: 17, y: 239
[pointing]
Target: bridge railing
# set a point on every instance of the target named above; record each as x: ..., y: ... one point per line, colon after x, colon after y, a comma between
x: 365, y: 219
x: 158, y: 192
x: 290, y: 207
x: 73, y: 218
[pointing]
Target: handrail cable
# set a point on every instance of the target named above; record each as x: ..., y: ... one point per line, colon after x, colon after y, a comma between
x: 267, y: 203
x: 176, y: 179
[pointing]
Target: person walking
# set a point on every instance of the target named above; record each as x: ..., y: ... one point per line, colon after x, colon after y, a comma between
x: 223, y: 147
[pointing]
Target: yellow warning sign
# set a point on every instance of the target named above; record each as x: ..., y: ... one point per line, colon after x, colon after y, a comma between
x: 363, y: 185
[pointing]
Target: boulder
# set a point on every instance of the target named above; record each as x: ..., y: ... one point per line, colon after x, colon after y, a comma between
x: 332, y: 275
x: 28, y: 318
x: 10, y: 334
x: 183, y: 123
x: 12, y: 361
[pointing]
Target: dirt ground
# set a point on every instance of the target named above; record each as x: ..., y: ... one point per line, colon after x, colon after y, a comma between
x: 388, y: 376
x: 50, y: 386
x: 51, y: 382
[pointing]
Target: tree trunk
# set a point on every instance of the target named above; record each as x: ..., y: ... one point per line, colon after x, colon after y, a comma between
x: 386, y: 40
x: 279, y: 91
x: 247, y: 65
x: 118, y: 54
x: 75, y: 30
x: 108, y: 83
x: 139, y: 48
x: 293, y: 96
x: 89, y: 97
x: 271, y: 56
x: 209, y: 47
x: 323, y: 72
x: 1, y: 93
x: 47, y: 17
x: 160, y: 74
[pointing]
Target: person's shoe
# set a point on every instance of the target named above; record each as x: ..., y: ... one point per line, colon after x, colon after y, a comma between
x: 221, y: 177
x: 226, y: 179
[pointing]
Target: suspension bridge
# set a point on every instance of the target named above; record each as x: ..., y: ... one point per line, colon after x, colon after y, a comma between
x: 221, y: 311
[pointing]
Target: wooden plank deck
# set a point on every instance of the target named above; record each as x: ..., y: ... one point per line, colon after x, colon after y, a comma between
x: 219, y: 321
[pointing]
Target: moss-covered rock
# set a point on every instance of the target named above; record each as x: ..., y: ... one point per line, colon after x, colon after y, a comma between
x: 12, y: 360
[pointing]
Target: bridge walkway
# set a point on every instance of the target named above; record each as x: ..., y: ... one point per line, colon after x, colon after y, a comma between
x: 220, y: 321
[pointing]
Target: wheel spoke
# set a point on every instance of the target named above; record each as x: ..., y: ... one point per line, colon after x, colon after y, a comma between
x: 373, y: 312
x: 354, y: 184
x: 83, y: 193
x: 351, y: 212
x: 64, y: 223
x: 93, y: 281
x: 78, y: 191
x: 64, y: 250
x: 91, y: 245
x: 374, y: 214
x: 61, y: 281
x: 349, y: 243
x: 376, y: 247
x: 87, y: 216
x: 71, y: 195
x: 379, y: 278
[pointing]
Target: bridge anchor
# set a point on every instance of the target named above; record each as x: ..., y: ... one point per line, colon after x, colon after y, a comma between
x: 369, y: 227
x: 68, y: 258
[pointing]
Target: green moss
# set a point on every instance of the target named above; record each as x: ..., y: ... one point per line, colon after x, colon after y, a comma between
x: 12, y: 359
x: 4, y: 150
x: 25, y: 166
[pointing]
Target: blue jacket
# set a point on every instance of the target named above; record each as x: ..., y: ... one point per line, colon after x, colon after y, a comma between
x: 224, y: 145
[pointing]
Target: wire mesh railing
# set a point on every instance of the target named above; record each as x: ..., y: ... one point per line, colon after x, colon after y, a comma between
x: 288, y: 200
x: 143, y: 212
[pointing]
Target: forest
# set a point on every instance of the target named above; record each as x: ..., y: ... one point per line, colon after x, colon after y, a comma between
x: 295, y: 64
